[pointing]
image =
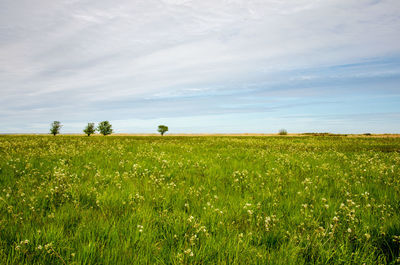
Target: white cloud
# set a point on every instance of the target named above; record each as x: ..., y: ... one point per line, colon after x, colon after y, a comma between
x: 81, y: 52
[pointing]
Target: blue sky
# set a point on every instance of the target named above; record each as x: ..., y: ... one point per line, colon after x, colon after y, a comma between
x: 209, y: 66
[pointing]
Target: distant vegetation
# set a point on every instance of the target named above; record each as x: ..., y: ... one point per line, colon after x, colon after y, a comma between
x: 105, y: 128
x: 89, y: 129
x: 282, y: 132
x: 162, y: 129
x: 199, y: 200
x: 324, y: 134
x: 55, y: 128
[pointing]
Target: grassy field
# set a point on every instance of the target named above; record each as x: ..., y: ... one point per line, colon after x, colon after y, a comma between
x: 204, y: 200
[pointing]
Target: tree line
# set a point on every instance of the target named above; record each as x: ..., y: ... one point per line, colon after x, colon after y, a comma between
x: 104, y: 128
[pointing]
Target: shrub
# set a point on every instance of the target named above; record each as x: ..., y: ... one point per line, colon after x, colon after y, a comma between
x: 282, y: 132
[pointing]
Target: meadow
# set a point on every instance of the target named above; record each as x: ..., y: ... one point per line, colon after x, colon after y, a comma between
x: 199, y: 200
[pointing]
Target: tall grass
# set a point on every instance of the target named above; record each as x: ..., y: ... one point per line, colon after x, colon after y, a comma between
x: 180, y: 200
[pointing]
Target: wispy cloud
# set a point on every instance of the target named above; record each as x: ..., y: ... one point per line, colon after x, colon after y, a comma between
x: 80, y: 61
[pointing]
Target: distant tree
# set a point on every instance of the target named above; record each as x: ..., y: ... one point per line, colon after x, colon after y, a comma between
x: 55, y: 128
x: 105, y: 128
x: 282, y: 132
x: 162, y: 129
x: 90, y: 129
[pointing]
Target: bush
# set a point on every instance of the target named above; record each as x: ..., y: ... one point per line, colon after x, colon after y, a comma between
x: 282, y: 132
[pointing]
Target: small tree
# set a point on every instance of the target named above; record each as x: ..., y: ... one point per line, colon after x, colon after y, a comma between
x: 282, y: 132
x: 55, y: 128
x: 162, y: 129
x: 105, y: 128
x: 90, y: 129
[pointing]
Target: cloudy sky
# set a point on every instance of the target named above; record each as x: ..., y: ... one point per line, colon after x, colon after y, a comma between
x: 216, y: 66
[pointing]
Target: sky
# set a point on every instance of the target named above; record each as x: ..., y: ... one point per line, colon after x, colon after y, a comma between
x: 201, y: 66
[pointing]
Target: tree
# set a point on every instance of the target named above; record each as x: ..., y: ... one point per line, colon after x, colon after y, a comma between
x: 90, y: 129
x: 105, y: 128
x: 162, y: 129
x: 55, y: 128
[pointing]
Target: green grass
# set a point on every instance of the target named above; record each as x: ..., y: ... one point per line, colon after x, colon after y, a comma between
x: 204, y: 200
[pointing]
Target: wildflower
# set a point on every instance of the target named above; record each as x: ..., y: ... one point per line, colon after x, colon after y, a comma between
x: 367, y: 236
x: 193, y: 239
x: 49, y: 245
x: 40, y: 247
x: 188, y: 252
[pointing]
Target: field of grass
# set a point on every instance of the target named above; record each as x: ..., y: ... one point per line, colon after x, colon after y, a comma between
x: 199, y: 200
